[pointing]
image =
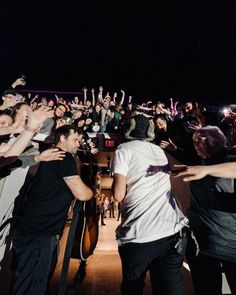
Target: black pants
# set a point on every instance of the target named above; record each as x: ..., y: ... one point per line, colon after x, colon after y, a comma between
x: 34, y: 261
x: 160, y: 258
x: 206, y: 272
x: 112, y: 211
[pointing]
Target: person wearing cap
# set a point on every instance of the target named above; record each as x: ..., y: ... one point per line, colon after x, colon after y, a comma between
x: 140, y: 126
x: 10, y: 98
x: 151, y: 233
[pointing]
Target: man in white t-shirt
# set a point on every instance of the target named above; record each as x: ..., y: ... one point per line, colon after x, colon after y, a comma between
x: 150, y: 236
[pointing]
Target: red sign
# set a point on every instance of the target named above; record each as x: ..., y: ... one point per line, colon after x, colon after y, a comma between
x: 109, y: 143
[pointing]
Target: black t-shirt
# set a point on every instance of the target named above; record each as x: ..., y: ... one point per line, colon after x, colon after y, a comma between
x: 44, y: 209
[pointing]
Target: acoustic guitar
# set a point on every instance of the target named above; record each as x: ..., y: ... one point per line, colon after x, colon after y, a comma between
x: 86, y: 235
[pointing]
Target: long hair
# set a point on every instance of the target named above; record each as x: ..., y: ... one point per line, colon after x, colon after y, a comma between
x: 214, y: 139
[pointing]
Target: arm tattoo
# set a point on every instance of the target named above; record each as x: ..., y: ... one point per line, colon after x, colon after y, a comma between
x: 71, y: 179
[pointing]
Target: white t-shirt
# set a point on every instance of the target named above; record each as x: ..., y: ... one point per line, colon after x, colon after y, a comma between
x: 149, y: 211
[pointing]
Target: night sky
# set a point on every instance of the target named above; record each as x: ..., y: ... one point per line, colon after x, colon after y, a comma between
x: 183, y: 50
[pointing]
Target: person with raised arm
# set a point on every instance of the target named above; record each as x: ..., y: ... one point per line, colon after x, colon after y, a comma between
x: 85, y: 90
x: 93, y: 97
x: 212, y: 213
x: 224, y: 170
x: 123, y: 97
x: 100, y: 95
x: 34, y: 122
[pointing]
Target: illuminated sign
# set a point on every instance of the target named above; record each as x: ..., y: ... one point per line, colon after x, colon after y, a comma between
x: 109, y: 143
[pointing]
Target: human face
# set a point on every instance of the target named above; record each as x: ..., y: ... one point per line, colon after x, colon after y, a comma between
x: 106, y: 104
x: 9, y: 98
x: 88, y: 121
x: 77, y: 114
x: 72, y: 142
x: 88, y: 103
x: 161, y: 124
x: 188, y: 107
x: 81, y: 123
x: 200, y: 146
x: 60, y: 111
x: 60, y: 122
x: 97, y: 108
x: 5, y: 121
x: 76, y: 99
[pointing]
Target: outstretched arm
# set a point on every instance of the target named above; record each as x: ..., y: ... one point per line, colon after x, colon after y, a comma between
x: 225, y: 170
x: 100, y: 94
x: 123, y: 97
x: 93, y: 97
x: 114, y: 97
x: 35, y: 120
x: 85, y: 94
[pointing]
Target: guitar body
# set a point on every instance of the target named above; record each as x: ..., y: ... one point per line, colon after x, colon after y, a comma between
x: 86, y: 235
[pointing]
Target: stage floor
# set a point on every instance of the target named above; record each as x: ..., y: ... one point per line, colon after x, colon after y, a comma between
x: 104, y: 268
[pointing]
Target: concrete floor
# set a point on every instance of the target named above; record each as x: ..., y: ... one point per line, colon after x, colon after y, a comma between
x: 103, y: 275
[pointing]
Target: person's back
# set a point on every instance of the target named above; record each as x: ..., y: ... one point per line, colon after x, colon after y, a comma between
x: 148, y: 194
x: 150, y: 234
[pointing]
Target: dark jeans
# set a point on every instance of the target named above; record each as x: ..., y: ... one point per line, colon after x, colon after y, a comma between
x: 160, y: 258
x: 206, y: 272
x: 34, y: 261
x: 112, y: 211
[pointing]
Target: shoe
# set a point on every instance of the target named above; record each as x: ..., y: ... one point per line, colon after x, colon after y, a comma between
x: 103, y: 224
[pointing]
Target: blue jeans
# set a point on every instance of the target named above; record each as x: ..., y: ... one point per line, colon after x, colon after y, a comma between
x: 34, y: 261
x: 162, y: 261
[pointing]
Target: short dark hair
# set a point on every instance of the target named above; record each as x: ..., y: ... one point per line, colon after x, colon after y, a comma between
x: 64, y: 130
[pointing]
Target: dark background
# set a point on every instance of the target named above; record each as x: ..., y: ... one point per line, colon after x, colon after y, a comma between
x: 185, y: 49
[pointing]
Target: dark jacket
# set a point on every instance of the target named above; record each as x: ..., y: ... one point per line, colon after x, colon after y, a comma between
x: 212, y: 213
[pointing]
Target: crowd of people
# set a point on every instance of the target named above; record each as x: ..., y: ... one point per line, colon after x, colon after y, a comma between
x: 153, y: 233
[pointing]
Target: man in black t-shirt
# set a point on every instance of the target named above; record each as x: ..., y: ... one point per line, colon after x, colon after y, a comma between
x: 42, y: 214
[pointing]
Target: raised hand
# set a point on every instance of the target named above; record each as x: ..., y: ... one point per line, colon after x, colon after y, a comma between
x: 19, y: 81
x: 37, y: 117
x: 168, y: 145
